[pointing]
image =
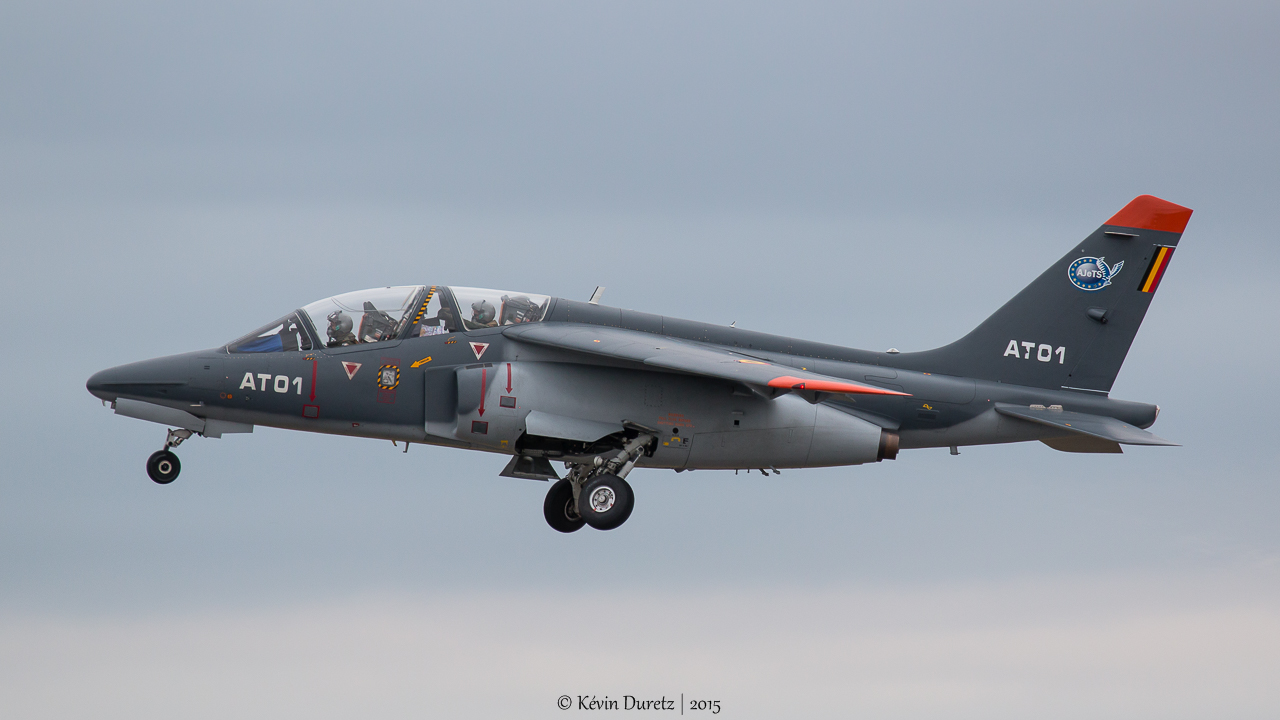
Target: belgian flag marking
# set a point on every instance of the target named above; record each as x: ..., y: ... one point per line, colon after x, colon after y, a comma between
x: 1155, y: 271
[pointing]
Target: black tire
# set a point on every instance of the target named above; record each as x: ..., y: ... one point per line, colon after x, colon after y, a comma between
x: 163, y: 467
x: 606, y: 502
x: 560, y: 510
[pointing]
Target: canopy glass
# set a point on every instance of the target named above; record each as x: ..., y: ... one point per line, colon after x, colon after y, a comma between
x: 389, y: 313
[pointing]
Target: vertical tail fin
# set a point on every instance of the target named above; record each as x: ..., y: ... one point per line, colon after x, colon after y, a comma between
x: 1073, y: 325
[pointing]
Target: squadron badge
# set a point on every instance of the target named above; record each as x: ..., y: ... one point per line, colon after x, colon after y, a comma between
x: 1092, y: 273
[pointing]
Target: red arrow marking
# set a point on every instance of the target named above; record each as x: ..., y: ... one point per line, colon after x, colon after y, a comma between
x: 484, y: 374
x: 508, y: 378
x: 314, y: 364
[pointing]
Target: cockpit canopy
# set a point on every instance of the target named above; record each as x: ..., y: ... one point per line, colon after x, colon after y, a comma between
x: 391, y: 313
x: 364, y: 316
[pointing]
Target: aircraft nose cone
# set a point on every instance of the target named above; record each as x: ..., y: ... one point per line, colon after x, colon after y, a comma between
x: 128, y: 379
x: 141, y: 379
x: 98, y: 383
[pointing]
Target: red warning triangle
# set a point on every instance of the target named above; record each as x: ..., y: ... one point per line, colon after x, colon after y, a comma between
x: 351, y: 369
x: 479, y: 348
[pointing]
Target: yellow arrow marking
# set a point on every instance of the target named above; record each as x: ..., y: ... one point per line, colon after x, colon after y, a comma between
x: 421, y: 362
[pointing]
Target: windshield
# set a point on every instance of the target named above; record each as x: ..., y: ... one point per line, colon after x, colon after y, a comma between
x: 364, y: 316
x: 283, y: 335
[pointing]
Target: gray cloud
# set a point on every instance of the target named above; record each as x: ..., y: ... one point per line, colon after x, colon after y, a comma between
x: 642, y: 105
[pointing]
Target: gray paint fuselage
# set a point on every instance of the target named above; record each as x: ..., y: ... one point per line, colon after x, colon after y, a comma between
x: 311, y: 390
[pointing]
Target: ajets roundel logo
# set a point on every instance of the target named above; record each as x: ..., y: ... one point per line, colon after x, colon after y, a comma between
x: 1092, y: 273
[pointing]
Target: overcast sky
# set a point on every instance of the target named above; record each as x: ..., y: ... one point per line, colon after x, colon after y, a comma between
x: 872, y: 175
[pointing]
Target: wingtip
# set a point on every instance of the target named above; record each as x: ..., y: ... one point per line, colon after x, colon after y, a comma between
x: 1148, y: 212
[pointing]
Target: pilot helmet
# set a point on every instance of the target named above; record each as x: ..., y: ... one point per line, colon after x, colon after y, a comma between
x: 339, y: 324
x: 482, y: 312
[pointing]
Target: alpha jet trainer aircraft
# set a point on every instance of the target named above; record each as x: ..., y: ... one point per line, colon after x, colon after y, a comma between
x: 605, y: 390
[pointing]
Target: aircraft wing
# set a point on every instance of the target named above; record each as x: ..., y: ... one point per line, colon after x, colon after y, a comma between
x: 1098, y: 426
x: 685, y: 356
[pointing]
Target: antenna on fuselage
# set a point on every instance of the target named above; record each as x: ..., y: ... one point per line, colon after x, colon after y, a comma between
x: 595, y: 296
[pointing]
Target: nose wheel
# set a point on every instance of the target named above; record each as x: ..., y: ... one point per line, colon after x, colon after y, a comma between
x: 163, y: 467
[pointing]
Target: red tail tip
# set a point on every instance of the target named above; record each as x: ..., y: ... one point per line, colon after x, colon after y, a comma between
x: 1148, y: 212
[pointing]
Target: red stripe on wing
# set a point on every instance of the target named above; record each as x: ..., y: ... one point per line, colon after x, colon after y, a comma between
x: 795, y: 383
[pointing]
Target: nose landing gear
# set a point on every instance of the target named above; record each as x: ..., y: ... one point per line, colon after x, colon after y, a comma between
x: 163, y: 466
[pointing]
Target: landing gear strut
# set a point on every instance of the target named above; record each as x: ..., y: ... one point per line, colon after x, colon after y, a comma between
x: 595, y: 493
x: 163, y: 466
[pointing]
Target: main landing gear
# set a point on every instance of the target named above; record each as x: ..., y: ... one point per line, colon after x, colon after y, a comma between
x: 163, y: 466
x: 561, y: 508
x: 595, y: 493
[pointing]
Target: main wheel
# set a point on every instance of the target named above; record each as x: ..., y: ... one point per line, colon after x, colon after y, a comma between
x: 163, y: 467
x: 606, y: 502
x: 560, y: 510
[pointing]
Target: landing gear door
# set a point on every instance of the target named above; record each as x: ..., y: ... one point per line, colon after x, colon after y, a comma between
x: 441, y: 402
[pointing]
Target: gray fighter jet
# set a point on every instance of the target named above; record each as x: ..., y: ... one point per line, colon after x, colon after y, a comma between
x: 603, y: 390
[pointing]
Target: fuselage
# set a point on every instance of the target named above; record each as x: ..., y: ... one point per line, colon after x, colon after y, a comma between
x: 476, y: 388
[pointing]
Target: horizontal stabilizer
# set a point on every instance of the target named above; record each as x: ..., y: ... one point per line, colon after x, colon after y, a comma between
x: 1096, y: 426
x: 683, y: 356
x: 1082, y: 444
